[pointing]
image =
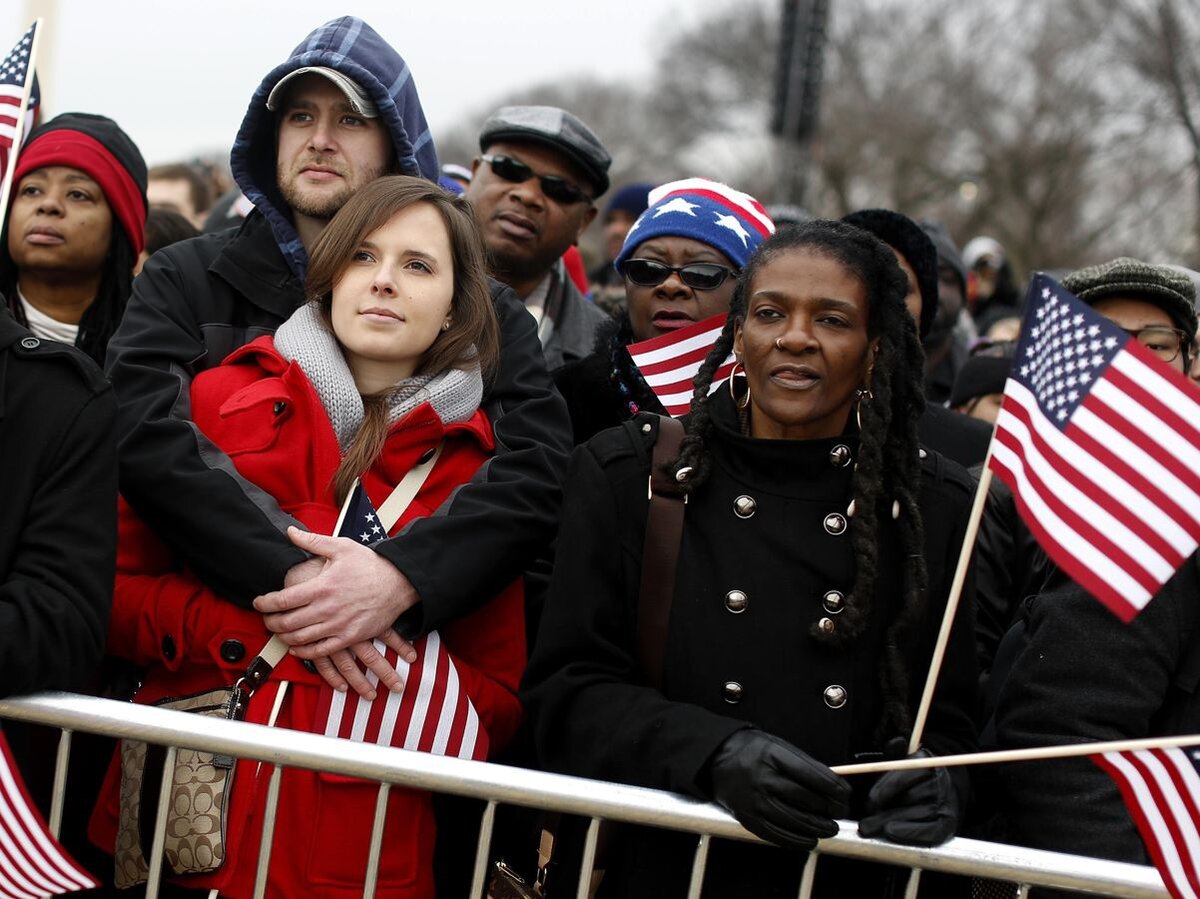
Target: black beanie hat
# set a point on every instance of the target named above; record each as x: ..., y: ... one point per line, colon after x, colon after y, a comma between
x: 980, y: 376
x: 907, y: 238
x: 94, y: 144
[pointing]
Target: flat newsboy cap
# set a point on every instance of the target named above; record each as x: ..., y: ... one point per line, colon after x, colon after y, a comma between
x: 555, y: 128
x: 1165, y: 287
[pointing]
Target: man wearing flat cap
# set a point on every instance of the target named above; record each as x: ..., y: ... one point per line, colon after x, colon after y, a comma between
x: 339, y: 112
x: 533, y: 190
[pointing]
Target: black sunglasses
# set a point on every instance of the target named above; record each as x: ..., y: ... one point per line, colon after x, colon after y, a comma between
x: 558, y: 189
x: 697, y: 275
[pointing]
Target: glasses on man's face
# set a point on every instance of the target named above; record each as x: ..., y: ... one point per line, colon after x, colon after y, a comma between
x: 696, y: 275
x: 558, y: 189
x: 1165, y: 343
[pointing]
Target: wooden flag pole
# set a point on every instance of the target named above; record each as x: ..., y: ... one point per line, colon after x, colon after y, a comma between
x: 956, y: 588
x: 1038, y: 753
x: 19, y: 128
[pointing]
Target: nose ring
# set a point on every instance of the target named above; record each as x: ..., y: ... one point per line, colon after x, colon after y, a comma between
x: 779, y: 344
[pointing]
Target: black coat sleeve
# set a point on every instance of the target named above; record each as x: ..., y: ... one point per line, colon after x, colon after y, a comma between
x: 229, y: 531
x: 56, y: 596
x: 1085, y: 676
x: 591, y: 716
x: 491, y: 529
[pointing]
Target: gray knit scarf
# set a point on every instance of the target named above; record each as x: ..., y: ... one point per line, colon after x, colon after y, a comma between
x: 306, y: 339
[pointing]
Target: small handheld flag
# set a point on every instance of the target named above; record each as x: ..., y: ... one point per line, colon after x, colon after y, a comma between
x: 433, y: 712
x: 19, y: 97
x: 1161, y: 789
x: 669, y: 362
x: 32, y: 863
x: 1099, y: 441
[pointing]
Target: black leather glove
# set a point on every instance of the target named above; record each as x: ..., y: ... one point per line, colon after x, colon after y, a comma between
x: 919, y: 807
x: 776, y: 791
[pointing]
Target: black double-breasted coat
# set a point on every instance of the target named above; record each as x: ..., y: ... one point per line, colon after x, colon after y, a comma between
x: 765, y: 557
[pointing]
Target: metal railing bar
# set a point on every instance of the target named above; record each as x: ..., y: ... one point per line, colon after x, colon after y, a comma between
x: 914, y: 884
x: 372, y: 878
x: 268, y: 833
x: 699, y: 863
x: 808, y: 876
x: 58, y: 794
x: 587, y: 866
x: 482, y: 848
x: 1023, y: 891
x: 557, y: 792
x: 155, y: 862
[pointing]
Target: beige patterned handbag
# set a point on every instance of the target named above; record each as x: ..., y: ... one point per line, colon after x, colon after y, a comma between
x: 200, y: 792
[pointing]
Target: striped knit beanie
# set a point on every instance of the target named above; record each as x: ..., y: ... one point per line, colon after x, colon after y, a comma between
x: 708, y: 211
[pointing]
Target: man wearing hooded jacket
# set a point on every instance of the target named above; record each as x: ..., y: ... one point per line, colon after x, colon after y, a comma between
x: 342, y: 109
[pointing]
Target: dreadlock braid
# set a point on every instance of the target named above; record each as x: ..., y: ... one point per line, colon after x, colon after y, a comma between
x: 887, y: 467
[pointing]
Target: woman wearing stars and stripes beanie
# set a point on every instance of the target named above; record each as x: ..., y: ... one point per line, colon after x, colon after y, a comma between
x: 680, y: 263
x: 73, y: 230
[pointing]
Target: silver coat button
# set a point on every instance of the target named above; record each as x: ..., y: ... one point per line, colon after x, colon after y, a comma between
x: 839, y: 456
x: 921, y: 453
x: 835, y: 696
x: 835, y: 523
x: 646, y: 428
x: 826, y: 626
x: 732, y: 692
x: 736, y: 601
x: 744, y: 506
x: 834, y: 601
x: 31, y: 343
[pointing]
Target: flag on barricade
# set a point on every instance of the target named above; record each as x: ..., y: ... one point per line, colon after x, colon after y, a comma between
x: 668, y: 363
x: 19, y: 97
x: 1161, y: 789
x: 1100, y: 443
x: 32, y: 863
x: 433, y: 712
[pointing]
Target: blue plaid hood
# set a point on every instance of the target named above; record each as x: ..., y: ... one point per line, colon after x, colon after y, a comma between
x: 352, y: 47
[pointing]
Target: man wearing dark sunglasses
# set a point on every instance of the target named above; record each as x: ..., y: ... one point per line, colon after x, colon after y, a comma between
x: 533, y: 189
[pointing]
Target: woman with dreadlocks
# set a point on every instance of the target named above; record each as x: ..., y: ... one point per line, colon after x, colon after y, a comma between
x: 73, y: 231
x: 818, y: 545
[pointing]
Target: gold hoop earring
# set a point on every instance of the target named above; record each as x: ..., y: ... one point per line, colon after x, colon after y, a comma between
x: 744, y: 401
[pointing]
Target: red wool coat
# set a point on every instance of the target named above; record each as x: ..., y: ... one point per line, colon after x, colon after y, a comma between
x: 263, y: 412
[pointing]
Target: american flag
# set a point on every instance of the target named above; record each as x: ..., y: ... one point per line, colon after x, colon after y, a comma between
x: 1099, y: 441
x: 14, y: 70
x: 670, y: 362
x: 1161, y: 789
x: 32, y: 863
x: 433, y: 712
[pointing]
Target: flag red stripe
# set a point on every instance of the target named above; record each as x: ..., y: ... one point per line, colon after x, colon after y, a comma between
x: 1169, y: 757
x: 375, y: 718
x: 1078, y: 523
x: 411, y: 689
x: 686, y: 385
x: 692, y: 358
x: 1162, y: 380
x: 714, y: 323
x: 1162, y: 806
x: 454, y: 744
x: 733, y: 207
x: 437, y: 700
x: 1077, y: 569
x: 1183, y: 793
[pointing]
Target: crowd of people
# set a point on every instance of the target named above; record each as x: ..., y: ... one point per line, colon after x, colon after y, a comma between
x: 193, y: 390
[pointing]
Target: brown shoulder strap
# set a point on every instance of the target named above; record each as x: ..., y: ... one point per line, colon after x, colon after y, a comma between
x: 660, y: 555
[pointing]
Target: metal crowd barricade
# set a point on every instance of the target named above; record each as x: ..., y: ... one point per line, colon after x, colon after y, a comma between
x: 497, y: 784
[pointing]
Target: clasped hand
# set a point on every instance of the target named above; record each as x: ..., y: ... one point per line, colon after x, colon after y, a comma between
x: 335, y: 605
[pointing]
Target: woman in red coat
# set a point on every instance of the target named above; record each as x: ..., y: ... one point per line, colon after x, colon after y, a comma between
x: 385, y: 364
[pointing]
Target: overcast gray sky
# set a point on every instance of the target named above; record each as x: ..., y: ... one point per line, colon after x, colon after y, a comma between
x: 177, y: 74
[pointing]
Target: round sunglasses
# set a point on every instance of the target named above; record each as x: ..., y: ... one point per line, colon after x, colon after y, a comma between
x: 697, y: 275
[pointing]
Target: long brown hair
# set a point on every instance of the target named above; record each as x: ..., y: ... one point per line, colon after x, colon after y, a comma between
x: 474, y: 334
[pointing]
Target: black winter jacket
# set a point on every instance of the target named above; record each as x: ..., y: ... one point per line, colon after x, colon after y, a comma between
x: 58, y: 520
x: 748, y: 592
x: 198, y: 300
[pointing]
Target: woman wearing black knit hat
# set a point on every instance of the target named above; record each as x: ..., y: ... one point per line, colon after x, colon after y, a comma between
x: 73, y: 230
x: 954, y: 435
x: 817, y: 549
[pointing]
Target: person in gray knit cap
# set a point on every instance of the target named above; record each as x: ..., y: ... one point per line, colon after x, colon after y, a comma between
x: 1154, y: 303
